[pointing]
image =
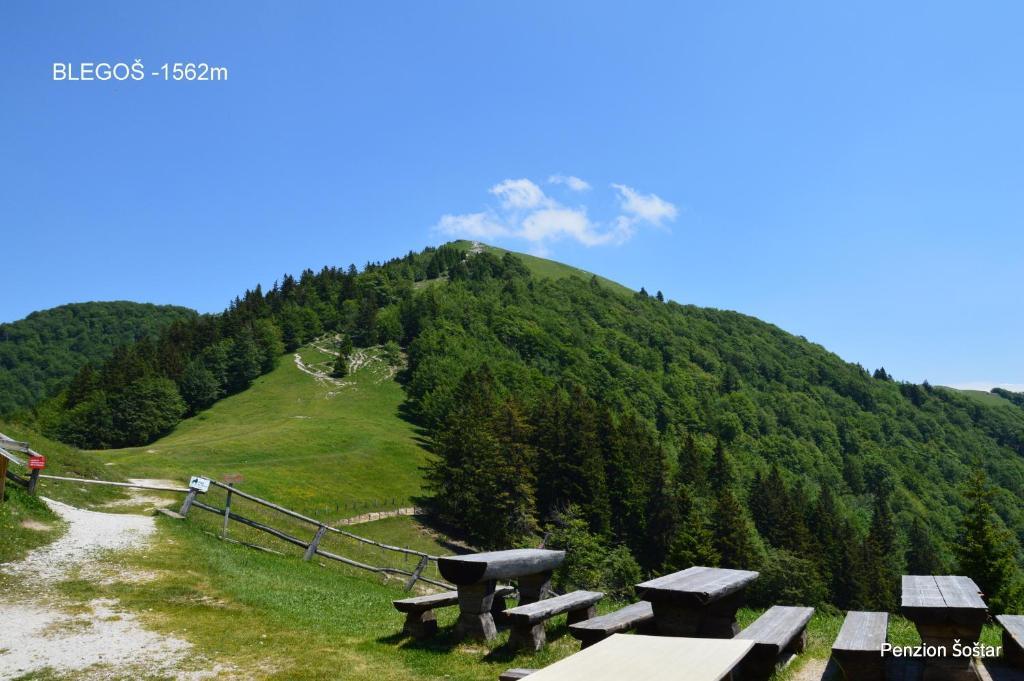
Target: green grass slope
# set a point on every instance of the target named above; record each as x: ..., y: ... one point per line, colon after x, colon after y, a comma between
x: 25, y: 521
x: 542, y: 267
x: 983, y: 397
x: 322, y: 449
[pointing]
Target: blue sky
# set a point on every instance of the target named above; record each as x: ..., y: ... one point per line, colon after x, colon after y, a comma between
x: 850, y: 172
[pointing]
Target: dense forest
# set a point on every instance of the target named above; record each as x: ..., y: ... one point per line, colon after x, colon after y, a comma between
x: 39, y: 355
x: 645, y: 434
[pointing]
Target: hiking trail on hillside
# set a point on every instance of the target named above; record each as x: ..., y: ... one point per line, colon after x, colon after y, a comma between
x: 93, y: 639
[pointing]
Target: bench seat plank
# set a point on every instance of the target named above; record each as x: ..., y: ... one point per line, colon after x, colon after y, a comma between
x: 779, y: 629
x: 624, y: 619
x: 1013, y: 638
x: 528, y: 620
x: 862, y: 631
x: 857, y: 650
x: 549, y: 607
x: 624, y: 657
x: 515, y: 674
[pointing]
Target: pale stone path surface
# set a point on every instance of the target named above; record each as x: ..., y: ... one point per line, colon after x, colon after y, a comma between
x: 97, y: 639
x: 379, y: 515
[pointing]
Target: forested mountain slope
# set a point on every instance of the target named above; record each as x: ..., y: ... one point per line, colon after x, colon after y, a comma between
x: 670, y: 433
x: 42, y: 352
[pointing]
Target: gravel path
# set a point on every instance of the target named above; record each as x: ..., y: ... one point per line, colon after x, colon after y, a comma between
x: 99, y: 640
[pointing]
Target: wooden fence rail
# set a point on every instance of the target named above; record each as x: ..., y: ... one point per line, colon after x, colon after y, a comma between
x: 311, y: 547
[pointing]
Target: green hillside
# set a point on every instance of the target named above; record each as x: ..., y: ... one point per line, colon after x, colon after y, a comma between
x: 323, y: 447
x: 42, y: 352
x: 542, y: 267
x: 671, y: 432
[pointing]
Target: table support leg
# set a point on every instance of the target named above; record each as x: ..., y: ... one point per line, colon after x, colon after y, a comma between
x: 533, y: 587
x: 475, y: 619
x: 719, y: 619
x: 946, y: 667
x: 676, y: 620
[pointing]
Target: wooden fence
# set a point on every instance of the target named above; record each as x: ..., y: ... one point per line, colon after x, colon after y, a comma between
x: 311, y: 548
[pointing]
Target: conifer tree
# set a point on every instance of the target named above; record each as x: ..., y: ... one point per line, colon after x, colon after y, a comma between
x: 923, y: 557
x: 722, y: 475
x: 734, y: 536
x: 691, y: 468
x: 694, y: 543
x: 987, y: 550
x: 882, y: 566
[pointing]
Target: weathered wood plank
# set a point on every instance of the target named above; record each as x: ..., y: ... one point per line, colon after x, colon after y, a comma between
x: 698, y: 585
x: 440, y: 600
x: 862, y: 631
x: 515, y: 674
x: 491, y: 565
x: 960, y: 592
x: 1013, y: 638
x: 623, y: 657
x: 624, y: 619
x: 857, y: 650
x: 921, y: 591
x: 780, y: 629
x: 549, y: 607
x: 170, y: 514
x: 777, y: 627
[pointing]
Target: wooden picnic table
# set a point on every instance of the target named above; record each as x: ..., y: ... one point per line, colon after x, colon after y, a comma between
x: 945, y: 608
x: 697, y: 601
x: 635, y: 657
x: 476, y: 575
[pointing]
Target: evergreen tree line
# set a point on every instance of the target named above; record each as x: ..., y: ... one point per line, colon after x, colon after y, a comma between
x: 148, y: 386
x: 602, y: 486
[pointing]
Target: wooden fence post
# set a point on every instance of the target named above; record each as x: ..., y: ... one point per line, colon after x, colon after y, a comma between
x: 188, y: 502
x: 227, y: 512
x: 313, y: 545
x: 33, y: 480
x: 416, y: 573
x: 3, y: 477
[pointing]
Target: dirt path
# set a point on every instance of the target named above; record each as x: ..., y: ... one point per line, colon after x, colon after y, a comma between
x: 379, y: 515
x: 96, y: 639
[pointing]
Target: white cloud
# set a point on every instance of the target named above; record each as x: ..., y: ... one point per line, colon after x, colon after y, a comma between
x: 472, y: 225
x: 520, y: 194
x: 647, y: 207
x: 526, y: 212
x: 571, y: 181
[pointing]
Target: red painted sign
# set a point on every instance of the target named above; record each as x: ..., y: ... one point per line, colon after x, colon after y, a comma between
x: 36, y: 462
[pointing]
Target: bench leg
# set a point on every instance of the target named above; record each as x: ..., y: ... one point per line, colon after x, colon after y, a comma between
x: 421, y: 624
x: 799, y: 642
x: 860, y: 665
x: 1012, y: 651
x: 758, y: 665
x: 581, y: 615
x: 498, y: 606
x: 527, y: 637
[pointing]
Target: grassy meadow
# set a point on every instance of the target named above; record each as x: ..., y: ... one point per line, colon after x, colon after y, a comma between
x: 327, y: 450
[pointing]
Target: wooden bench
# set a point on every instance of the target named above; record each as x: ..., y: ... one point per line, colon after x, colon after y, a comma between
x: 515, y: 674
x: 858, y: 648
x: 528, y: 620
x: 781, y: 629
x: 636, y: 616
x: 1013, y: 638
x: 420, y: 619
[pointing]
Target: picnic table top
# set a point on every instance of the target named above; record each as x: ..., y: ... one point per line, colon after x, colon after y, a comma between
x: 701, y: 584
x: 491, y: 565
x: 940, y: 592
x: 634, y: 657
